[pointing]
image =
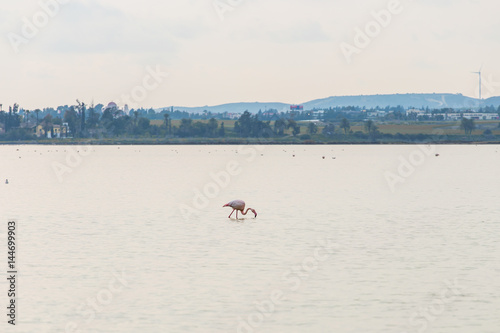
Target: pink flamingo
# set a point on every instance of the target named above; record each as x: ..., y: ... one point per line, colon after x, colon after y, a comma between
x: 238, y: 205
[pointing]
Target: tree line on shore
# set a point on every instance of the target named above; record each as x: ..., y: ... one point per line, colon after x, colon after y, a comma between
x: 83, y: 121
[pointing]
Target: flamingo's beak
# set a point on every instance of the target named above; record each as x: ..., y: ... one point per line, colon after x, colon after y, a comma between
x: 225, y: 205
x: 255, y: 213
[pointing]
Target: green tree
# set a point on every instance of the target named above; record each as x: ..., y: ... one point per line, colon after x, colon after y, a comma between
x: 136, y: 117
x: 312, y: 128
x: 168, y: 122
x: 212, y: 127
x: 27, y: 116
x: 296, y: 131
x: 250, y: 126
x: 294, y: 126
x: 71, y: 117
x: 280, y: 126
x: 143, y: 125
x: 82, y: 108
x: 344, y: 124
x: 222, y: 130
x: 47, y: 124
x: 243, y: 125
x: 12, y: 120
x: 329, y: 130
x: 37, y: 111
x: 467, y: 125
x: 166, y: 118
x: 121, y: 126
x: 186, y: 128
x: 93, y: 119
x: 371, y: 128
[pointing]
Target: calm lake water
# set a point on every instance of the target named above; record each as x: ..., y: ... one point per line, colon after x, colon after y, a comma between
x: 347, y: 238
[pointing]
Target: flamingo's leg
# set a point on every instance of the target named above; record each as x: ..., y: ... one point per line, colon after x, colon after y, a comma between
x: 232, y: 214
x: 236, y: 214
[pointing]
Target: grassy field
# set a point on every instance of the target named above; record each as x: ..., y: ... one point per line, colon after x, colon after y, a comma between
x: 444, y: 128
x: 439, y: 132
x: 177, y: 122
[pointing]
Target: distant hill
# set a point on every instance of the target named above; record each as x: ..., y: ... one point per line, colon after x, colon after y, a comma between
x: 492, y: 101
x: 432, y: 101
x: 233, y: 107
x: 405, y: 100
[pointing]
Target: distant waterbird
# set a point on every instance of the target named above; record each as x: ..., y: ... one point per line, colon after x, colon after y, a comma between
x: 238, y: 205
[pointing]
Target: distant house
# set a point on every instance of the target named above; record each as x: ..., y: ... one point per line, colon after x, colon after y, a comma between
x: 270, y: 114
x: 234, y: 115
x: 318, y: 114
x: 113, y: 108
x: 479, y: 116
x: 39, y: 131
x: 376, y: 114
x: 111, y: 105
x: 58, y: 131
x: 467, y: 115
x: 418, y: 112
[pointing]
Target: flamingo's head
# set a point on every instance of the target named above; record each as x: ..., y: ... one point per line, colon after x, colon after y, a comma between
x: 226, y: 205
x: 253, y: 210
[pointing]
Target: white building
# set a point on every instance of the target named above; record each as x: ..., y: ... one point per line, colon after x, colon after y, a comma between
x: 481, y: 116
x: 376, y: 114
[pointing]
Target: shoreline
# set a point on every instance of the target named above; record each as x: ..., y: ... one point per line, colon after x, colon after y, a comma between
x: 95, y: 142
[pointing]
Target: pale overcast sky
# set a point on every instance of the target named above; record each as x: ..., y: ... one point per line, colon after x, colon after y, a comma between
x: 242, y: 50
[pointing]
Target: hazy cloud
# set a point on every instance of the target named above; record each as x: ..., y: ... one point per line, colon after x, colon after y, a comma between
x: 263, y: 50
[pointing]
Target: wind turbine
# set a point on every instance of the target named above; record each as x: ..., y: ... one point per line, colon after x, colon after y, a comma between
x: 479, y: 73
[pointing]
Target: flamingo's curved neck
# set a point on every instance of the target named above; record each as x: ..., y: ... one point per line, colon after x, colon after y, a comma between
x: 245, y: 212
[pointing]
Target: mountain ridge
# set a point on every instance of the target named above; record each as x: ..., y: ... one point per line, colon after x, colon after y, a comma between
x: 422, y: 100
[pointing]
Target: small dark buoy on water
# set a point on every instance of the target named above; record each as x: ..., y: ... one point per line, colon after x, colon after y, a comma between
x: 437, y: 155
x: 6, y: 181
